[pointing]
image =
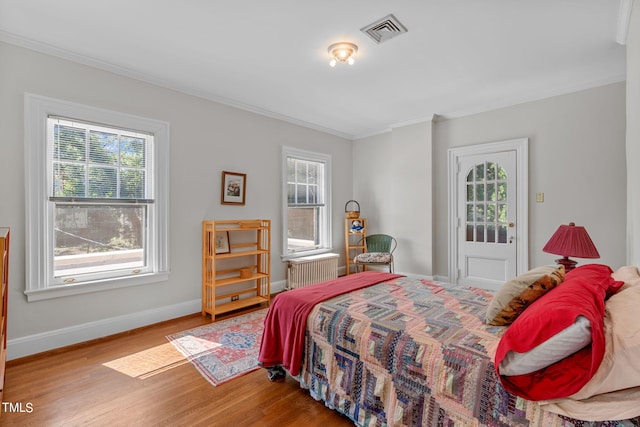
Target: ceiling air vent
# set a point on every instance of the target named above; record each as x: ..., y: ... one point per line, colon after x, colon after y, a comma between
x: 384, y: 29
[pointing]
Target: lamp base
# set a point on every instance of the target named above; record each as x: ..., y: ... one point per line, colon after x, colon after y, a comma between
x: 569, y: 264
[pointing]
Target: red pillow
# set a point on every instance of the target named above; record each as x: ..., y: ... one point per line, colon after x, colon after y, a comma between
x: 581, y: 294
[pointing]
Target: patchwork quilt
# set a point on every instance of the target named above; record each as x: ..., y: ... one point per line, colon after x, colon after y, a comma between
x: 410, y: 352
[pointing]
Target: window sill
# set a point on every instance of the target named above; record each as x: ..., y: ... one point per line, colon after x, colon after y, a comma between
x: 285, y: 258
x: 95, y: 286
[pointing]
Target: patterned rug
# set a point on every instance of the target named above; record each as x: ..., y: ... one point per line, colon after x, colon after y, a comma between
x: 223, y: 350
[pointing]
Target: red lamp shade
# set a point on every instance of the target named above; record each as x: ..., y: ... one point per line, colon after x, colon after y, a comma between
x: 571, y: 240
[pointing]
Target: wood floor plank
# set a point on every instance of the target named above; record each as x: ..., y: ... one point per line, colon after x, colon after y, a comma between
x: 72, y: 387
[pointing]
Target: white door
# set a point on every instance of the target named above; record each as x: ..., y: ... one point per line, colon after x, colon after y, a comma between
x: 488, y: 209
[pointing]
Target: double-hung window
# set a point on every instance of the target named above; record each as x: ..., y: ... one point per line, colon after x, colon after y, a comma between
x: 96, y: 199
x: 306, y: 202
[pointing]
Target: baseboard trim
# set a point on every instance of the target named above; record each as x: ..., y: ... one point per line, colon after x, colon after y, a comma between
x: 50, y: 340
x: 278, y: 286
x: 45, y: 341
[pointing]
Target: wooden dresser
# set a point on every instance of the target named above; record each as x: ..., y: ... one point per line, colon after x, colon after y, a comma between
x: 4, y: 285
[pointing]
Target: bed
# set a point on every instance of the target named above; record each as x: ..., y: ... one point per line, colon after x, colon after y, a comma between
x: 388, y: 350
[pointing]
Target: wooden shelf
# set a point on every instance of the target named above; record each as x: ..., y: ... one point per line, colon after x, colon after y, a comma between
x: 353, y: 242
x: 239, y: 254
x: 246, y: 246
x: 240, y: 304
x: 221, y: 228
x: 238, y: 279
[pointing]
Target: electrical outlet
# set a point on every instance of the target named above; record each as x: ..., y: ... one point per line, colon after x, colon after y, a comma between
x: 540, y: 197
x: 235, y: 298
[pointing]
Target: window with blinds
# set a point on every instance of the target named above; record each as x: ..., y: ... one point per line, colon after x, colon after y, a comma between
x: 100, y: 194
x: 97, y: 198
x: 307, y: 214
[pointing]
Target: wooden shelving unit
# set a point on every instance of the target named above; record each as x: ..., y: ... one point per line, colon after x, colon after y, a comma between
x: 236, y: 262
x: 353, y: 242
x: 4, y: 285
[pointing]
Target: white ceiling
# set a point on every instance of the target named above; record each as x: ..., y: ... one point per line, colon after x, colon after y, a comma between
x: 458, y: 56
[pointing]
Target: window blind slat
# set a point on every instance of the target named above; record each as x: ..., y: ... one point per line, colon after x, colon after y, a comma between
x: 92, y: 161
x: 306, y: 205
x: 109, y: 201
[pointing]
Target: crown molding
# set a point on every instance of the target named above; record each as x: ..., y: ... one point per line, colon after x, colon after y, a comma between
x: 624, y: 16
x: 51, y: 50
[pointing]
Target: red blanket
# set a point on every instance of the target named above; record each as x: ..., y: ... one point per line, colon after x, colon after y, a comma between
x: 286, y: 321
x: 582, y: 294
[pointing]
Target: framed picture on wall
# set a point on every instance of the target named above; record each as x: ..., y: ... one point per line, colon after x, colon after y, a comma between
x: 222, y: 242
x: 233, y: 188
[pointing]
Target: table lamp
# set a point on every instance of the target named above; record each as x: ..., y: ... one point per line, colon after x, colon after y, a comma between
x: 571, y: 241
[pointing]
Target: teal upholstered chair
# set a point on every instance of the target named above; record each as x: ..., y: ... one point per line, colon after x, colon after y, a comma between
x: 378, y: 251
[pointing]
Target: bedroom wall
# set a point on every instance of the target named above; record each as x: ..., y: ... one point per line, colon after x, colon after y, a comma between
x: 633, y: 137
x: 393, y: 184
x: 206, y: 138
x: 576, y: 158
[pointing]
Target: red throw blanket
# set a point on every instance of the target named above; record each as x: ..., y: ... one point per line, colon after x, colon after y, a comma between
x: 582, y: 294
x: 286, y: 321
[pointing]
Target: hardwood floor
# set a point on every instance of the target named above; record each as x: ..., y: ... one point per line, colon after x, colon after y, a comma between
x: 71, y: 387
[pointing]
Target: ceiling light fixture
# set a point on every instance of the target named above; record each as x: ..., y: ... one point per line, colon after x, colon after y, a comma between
x: 342, y: 52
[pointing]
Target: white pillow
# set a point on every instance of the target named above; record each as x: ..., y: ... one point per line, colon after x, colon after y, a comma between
x: 561, y: 345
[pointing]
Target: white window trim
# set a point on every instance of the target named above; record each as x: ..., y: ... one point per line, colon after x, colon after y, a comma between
x: 37, y: 109
x: 326, y: 236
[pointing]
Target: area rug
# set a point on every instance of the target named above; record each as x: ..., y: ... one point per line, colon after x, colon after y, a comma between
x: 223, y: 350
